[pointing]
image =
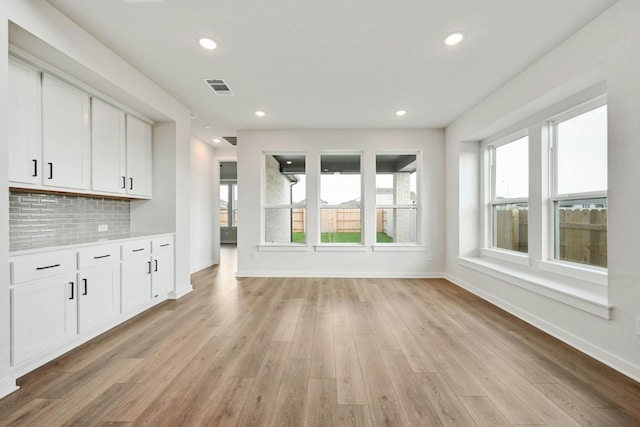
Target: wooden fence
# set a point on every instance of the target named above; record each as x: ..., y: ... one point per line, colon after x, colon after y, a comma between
x: 224, y: 218
x: 343, y: 220
x: 583, y: 233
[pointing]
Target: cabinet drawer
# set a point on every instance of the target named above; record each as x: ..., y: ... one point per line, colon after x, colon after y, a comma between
x: 98, y: 255
x: 162, y: 244
x: 35, y: 267
x: 137, y: 248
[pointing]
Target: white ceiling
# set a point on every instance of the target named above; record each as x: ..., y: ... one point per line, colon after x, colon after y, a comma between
x: 331, y: 63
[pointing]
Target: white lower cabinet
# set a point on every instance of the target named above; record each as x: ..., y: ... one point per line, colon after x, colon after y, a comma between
x: 44, y: 315
x: 62, y: 298
x: 162, y: 275
x: 144, y: 276
x: 136, y: 283
x: 98, y: 296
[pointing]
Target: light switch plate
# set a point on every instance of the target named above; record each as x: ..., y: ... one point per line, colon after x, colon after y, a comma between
x: 103, y: 227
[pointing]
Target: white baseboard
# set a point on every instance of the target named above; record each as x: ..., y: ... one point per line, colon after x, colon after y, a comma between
x: 7, y: 386
x: 180, y: 292
x: 623, y: 366
x: 329, y: 274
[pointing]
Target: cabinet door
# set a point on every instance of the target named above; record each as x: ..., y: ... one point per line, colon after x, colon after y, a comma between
x: 43, y: 316
x: 98, y: 296
x: 138, y: 157
x: 136, y: 283
x: 66, y: 144
x: 24, y: 123
x: 108, y: 148
x: 162, y: 278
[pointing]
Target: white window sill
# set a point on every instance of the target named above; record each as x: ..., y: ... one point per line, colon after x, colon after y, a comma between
x: 590, y: 299
x: 505, y: 255
x: 595, y: 275
x: 341, y: 248
x: 283, y: 248
x: 391, y: 247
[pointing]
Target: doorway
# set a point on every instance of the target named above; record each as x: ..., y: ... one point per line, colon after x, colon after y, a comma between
x: 228, y: 203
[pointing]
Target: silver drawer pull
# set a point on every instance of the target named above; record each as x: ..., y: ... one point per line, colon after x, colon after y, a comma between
x: 48, y: 266
x: 138, y: 250
x: 101, y: 256
x: 166, y: 244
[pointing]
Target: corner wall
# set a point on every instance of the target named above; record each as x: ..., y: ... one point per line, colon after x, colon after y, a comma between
x: 202, y: 210
x: 604, y: 50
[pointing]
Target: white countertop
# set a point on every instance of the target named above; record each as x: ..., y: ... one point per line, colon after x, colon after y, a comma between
x: 81, y: 243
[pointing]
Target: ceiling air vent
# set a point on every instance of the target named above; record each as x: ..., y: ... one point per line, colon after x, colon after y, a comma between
x: 233, y: 140
x: 218, y: 86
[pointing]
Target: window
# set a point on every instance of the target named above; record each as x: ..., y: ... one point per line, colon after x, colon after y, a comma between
x: 285, y: 198
x: 340, y: 193
x: 579, y: 185
x: 224, y: 205
x: 396, y: 198
x: 510, y: 194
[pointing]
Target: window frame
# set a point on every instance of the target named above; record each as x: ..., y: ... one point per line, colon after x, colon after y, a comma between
x: 491, y: 203
x: 554, y: 196
x: 416, y: 205
x: 291, y: 206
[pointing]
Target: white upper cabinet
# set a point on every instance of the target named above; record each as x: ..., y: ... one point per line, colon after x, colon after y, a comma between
x: 66, y: 145
x: 24, y: 123
x: 61, y: 139
x: 138, y: 157
x: 108, y: 148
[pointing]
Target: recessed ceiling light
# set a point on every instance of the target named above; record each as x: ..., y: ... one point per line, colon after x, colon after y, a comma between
x: 208, y: 44
x: 216, y: 140
x: 289, y: 162
x: 260, y: 113
x: 207, y: 127
x: 454, y: 38
x: 400, y: 113
x: 193, y: 115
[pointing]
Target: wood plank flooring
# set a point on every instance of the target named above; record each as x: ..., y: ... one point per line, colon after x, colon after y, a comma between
x: 323, y: 352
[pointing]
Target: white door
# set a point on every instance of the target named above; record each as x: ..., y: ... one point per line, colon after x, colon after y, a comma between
x: 66, y: 145
x: 43, y: 316
x: 136, y: 283
x: 162, y: 279
x: 108, y: 148
x: 138, y: 157
x: 98, y: 296
x: 24, y: 122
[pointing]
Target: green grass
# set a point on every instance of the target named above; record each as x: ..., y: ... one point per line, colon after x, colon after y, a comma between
x: 344, y: 237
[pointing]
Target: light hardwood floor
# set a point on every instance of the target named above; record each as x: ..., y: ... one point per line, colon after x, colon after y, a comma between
x: 330, y: 352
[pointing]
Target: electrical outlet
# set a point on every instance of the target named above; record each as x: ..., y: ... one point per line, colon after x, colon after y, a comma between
x: 638, y: 326
x: 254, y: 256
x: 429, y: 256
x: 103, y: 227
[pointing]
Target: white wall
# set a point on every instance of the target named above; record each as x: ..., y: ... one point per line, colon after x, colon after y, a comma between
x: 44, y: 32
x: 7, y: 384
x: 202, y: 211
x: 252, y: 144
x: 606, y: 49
